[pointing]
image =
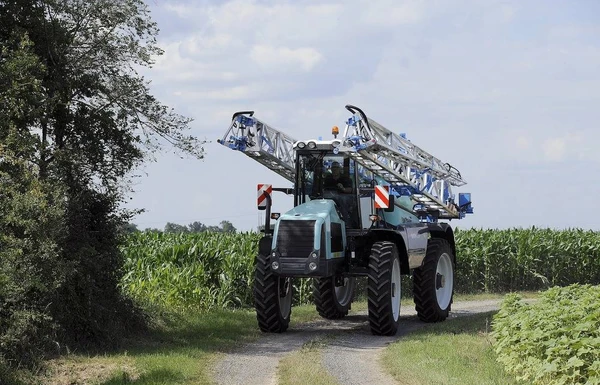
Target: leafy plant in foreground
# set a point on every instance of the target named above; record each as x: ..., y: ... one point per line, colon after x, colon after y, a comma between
x: 555, y: 341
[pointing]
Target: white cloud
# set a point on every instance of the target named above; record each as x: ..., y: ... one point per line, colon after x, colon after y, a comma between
x: 285, y: 59
x: 391, y: 12
x: 522, y: 142
x: 554, y: 149
x: 483, y: 85
x: 572, y: 146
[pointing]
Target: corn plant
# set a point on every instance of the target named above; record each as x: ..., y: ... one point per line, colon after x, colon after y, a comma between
x: 200, y: 271
x: 525, y: 259
x: 216, y: 270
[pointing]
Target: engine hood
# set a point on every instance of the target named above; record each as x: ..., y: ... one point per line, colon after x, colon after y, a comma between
x: 313, y: 210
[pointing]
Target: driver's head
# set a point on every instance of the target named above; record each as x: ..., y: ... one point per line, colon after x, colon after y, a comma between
x: 336, y: 169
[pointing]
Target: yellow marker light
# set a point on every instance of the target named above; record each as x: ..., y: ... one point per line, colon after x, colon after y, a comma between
x: 335, y: 130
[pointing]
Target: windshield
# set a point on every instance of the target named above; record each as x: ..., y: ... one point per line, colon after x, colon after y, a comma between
x: 323, y: 175
x: 320, y: 173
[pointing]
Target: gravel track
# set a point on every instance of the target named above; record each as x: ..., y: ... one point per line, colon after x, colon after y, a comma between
x: 351, y: 356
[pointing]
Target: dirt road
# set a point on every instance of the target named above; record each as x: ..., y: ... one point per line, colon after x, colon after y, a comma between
x: 351, y: 357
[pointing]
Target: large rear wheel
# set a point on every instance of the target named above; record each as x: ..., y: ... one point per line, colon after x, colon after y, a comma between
x: 333, y: 302
x: 383, y: 288
x: 272, y: 297
x: 434, y: 282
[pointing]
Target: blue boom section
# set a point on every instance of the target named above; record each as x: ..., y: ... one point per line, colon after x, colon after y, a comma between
x: 263, y: 143
x: 407, y: 169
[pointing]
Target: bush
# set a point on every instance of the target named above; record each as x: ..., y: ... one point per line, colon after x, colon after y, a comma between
x: 555, y: 341
x: 59, y: 271
x: 30, y: 266
x: 89, y: 306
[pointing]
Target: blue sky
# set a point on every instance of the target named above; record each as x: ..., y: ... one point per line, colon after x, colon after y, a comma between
x: 506, y: 91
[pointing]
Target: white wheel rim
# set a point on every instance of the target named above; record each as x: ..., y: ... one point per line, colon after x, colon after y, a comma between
x: 444, y: 281
x: 285, y: 300
x: 343, y: 294
x: 396, y: 289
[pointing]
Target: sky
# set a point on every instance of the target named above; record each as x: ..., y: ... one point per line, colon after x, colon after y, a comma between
x: 508, y: 92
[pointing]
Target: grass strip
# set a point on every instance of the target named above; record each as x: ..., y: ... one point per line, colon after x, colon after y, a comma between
x: 304, y: 366
x: 457, y: 351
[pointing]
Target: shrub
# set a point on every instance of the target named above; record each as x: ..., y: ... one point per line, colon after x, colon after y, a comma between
x: 555, y: 341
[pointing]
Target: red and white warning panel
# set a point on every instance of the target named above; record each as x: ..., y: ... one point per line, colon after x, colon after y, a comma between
x: 261, y: 199
x: 382, y: 197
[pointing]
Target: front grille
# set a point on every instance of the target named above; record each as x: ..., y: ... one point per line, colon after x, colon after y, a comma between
x: 295, y: 238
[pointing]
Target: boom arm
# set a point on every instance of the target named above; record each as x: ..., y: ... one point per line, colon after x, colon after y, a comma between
x: 263, y: 143
x: 406, y: 167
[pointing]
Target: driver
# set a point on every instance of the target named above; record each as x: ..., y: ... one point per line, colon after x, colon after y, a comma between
x: 336, y: 180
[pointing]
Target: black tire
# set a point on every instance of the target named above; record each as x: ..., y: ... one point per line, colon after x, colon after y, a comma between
x: 384, y: 289
x: 332, y: 304
x: 272, y: 297
x: 433, y: 283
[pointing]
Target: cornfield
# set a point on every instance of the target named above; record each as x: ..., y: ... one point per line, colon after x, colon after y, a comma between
x: 215, y: 270
x: 525, y: 259
x: 201, y: 271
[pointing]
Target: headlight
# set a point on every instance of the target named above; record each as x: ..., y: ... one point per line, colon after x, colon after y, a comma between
x: 312, y: 145
x: 300, y: 144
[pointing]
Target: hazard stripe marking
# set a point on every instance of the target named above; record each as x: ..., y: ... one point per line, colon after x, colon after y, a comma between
x: 382, y: 198
x: 262, y: 188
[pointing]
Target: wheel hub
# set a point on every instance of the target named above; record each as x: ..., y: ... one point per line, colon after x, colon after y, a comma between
x: 440, y: 281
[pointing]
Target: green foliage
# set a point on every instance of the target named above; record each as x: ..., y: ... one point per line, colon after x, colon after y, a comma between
x: 30, y: 267
x: 215, y: 269
x: 525, y: 259
x: 555, y: 341
x: 75, y: 119
x: 89, y: 306
x: 455, y: 352
x: 30, y: 213
x: 199, y: 271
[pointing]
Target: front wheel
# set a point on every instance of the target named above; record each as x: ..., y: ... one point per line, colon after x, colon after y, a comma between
x: 272, y: 297
x: 384, y: 288
x: 333, y: 302
x: 434, y: 282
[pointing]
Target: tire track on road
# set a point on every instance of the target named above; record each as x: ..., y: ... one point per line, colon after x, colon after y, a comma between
x: 256, y: 363
x: 352, y: 356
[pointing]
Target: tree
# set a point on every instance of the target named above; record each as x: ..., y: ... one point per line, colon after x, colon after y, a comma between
x: 175, y: 228
x: 197, y: 227
x: 227, y: 227
x: 129, y: 228
x: 78, y: 117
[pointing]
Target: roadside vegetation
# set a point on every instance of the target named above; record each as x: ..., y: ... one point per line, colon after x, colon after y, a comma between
x: 189, y: 332
x: 456, y: 352
x: 76, y: 119
x: 553, y: 341
x: 182, y: 347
